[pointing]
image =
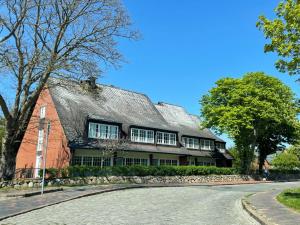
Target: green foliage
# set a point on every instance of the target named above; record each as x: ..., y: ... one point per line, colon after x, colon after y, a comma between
x: 284, y: 35
x: 50, y: 173
x: 255, y: 110
x: 286, y: 161
x: 294, y: 150
x: 136, y: 170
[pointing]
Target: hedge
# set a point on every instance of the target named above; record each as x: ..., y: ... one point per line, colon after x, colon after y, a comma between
x: 137, y: 170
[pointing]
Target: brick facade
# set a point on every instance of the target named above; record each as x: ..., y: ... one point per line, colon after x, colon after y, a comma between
x: 58, y: 153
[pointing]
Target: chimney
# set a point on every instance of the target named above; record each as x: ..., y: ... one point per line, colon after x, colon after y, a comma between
x: 90, y: 83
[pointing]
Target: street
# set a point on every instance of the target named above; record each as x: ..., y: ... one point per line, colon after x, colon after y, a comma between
x: 168, y: 205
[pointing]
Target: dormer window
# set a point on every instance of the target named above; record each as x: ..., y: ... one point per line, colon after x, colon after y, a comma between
x: 190, y: 142
x: 103, y: 131
x: 207, y: 144
x: 220, y: 146
x: 142, y: 135
x: 165, y: 138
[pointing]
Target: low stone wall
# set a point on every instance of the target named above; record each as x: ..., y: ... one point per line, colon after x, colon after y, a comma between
x: 34, y: 183
x: 31, y: 183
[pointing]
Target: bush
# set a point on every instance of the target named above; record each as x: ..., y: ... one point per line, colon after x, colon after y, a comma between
x: 138, y: 170
x: 286, y: 161
x: 50, y: 173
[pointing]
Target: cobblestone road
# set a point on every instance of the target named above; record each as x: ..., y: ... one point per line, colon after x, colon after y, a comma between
x: 171, y: 205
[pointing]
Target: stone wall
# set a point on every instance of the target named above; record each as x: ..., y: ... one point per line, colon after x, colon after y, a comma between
x: 30, y: 183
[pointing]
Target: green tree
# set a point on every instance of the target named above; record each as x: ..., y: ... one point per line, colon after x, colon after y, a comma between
x: 257, y: 111
x: 286, y: 161
x: 284, y: 35
x: 295, y: 150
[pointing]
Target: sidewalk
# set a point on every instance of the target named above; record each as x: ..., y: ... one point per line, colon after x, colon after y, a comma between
x: 265, y: 208
x: 15, y: 206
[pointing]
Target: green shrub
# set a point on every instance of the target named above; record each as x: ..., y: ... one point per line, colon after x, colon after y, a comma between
x: 50, y: 173
x: 139, y: 170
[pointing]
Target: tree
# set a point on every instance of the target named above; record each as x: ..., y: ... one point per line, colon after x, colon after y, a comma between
x: 257, y: 111
x: 286, y: 161
x: 294, y: 150
x: 284, y: 35
x: 2, y: 131
x: 57, y: 38
x: 107, y: 147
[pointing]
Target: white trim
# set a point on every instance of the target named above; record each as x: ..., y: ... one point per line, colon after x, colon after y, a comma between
x: 163, y: 141
x: 95, y: 131
x: 139, y: 137
x: 42, y: 112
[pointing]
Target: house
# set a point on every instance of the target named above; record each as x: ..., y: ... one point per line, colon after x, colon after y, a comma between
x: 89, y: 120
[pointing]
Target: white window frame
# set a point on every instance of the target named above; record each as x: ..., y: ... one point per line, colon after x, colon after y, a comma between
x: 148, y: 138
x: 96, y: 133
x: 40, y: 141
x: 42, y: 112
x: 195, y: 142
x: 165, y: 138
x: 135, y: 161
x: 220, y: 145
x: 168, y: 162
x: 207, y: 144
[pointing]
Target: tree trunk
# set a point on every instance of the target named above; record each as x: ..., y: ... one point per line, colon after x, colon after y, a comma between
x: 8, y: 158
x: 262, y: 158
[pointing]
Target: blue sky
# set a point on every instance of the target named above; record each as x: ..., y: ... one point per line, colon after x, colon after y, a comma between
x: 186, y: 47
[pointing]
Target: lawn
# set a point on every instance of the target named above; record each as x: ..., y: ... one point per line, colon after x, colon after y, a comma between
x: 290, y: 198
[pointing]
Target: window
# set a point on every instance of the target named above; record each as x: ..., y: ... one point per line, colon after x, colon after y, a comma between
x: 97, y: 161
x: 90, y: 161
x: 42, y: 112
x: 135, y: 161
x: 103, y: 131
x: 166, y: 138
x: 141, y: 135
x: 220, y: 146
x: 87, y: 161
x: 207, y: 145
x: 191, y: 142
x: 168, y: 162
x: 206, y: 164
x: 40, y: 140
x: 76, y: 160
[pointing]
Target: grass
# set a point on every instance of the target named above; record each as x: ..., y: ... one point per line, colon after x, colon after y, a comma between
x: 290, y: 198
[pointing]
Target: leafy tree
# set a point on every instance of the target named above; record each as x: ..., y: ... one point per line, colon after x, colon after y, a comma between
x: 284, y: 35
x: 294, y: 149
x: 257, y: 111
x: 67, y: 39
x: 286, y: 161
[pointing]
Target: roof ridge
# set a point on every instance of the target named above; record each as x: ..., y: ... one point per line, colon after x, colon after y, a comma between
x: 122, y: 89
x: 166, y: 103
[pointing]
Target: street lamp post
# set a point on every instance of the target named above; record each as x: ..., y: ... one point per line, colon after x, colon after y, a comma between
x: 45, y: 157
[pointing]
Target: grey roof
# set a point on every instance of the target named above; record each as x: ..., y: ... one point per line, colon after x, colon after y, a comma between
x: 186, y: 123
x: 111, y: 104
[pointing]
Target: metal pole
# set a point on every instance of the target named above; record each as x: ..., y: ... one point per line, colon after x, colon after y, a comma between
x: 45, y: 157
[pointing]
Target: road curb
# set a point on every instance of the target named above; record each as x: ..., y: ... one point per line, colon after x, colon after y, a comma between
x: 33, y: 193
x: 250, y: 209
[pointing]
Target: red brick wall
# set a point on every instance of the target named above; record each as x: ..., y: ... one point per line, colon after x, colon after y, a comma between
x: 58, y: 154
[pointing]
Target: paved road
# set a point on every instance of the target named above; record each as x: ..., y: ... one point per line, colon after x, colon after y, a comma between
x: 199, y: 205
